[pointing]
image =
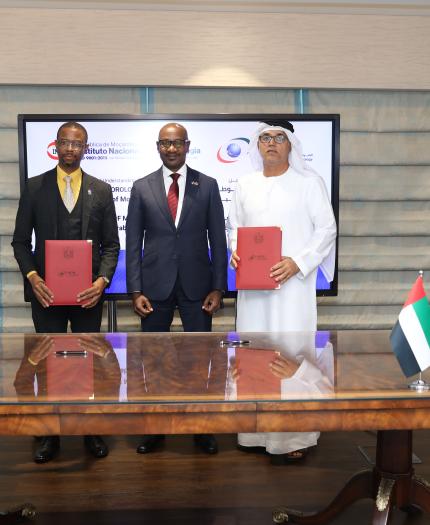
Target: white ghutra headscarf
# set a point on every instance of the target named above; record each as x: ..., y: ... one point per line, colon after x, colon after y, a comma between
x: 295, y: 157
x: 299, y: 164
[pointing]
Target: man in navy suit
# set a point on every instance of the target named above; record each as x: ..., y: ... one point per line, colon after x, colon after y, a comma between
x: 175, y: 213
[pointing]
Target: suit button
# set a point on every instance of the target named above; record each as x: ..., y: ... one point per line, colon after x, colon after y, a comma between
x: 175, y: 257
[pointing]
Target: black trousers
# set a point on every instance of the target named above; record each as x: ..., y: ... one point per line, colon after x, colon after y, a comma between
x: 193, y: 318
x: 55, y: 319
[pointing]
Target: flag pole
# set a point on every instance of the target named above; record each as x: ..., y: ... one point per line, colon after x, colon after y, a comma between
x: 419, y: 384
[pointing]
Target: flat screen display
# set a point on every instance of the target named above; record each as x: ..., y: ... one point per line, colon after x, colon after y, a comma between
x: 122, y: 149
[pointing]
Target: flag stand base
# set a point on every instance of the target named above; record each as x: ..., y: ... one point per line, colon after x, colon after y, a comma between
x: 419, y: 385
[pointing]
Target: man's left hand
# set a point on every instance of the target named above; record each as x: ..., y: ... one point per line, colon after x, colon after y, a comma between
x: 212, y: 302
x: 95, y: 344
x: 284, y: 270
x: 282, y: 367
x: 91, y: 296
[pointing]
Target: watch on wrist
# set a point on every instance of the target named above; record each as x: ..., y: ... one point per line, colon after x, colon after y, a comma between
x: 105, y: 279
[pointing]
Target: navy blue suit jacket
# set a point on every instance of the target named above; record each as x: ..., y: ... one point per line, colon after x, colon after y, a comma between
x: 171, y: 251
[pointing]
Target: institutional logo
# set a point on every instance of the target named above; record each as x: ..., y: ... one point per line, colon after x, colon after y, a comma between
x: 51, y: 150
x: 258, y: 238
x: 68, y: 253
x: 233, y: 150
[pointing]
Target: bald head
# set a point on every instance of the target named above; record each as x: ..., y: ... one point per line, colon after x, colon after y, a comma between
x: 173, y: 127
x: 173, y: 145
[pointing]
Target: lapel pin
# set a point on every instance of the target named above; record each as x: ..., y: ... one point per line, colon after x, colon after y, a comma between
x: 194, y: 182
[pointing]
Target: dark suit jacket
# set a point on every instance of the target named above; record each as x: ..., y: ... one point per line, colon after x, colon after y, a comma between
x: 169, y: 252
x: 37, y: 211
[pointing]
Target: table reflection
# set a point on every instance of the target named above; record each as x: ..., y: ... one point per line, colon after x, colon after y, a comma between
x: 67, y: 368
x: 175, y: 368
x: 130, y: 368
x: 300, y: 366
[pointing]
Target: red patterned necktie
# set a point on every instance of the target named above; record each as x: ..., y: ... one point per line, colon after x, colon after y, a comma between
x: 173, y: 195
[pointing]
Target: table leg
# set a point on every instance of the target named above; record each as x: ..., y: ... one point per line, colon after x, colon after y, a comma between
x: 381, y: 517
x: 383, y: 502
x: 21, y: 514
x: 390, y: 483
x: 357, y: 487
x: 420, y: 494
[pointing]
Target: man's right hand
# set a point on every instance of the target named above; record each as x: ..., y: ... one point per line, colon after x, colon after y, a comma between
x: 42, y: 293
x: 141, y: 304
x: 40, y: 350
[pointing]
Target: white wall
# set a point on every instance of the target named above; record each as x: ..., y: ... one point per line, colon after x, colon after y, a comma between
x: 67, y: 45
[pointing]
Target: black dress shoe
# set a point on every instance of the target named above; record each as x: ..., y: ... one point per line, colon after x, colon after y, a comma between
x: 47, y: 449
x: 149, y: 443
x: 96, y: 446
x: 252, y: 450
x: 207, y: 443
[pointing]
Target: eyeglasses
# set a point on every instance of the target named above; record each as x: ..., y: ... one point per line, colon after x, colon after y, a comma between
x: 74, y: 144
x: 267, y: 139
x: 177, y: 143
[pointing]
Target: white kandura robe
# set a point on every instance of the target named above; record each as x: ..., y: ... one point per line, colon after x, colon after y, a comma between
x: 299, y: 204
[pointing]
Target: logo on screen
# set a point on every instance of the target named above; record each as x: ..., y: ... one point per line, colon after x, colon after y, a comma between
x: 233, y: 150
x: 51, y: 150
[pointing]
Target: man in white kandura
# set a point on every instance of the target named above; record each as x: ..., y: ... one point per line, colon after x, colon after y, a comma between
x: 285, y: 192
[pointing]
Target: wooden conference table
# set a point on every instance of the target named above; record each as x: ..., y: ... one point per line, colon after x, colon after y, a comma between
x: 191, y: 383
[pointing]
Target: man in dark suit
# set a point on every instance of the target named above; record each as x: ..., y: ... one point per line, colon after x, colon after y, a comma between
x: 66, y: 203
x: 175, y: 212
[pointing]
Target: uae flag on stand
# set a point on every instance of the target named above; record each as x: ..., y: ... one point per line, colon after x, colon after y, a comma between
x: 410, y: 337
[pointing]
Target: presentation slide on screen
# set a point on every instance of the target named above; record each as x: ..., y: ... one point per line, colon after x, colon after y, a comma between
x: 122, y: 151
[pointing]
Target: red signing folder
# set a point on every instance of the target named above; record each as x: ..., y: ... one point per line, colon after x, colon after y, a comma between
x: 259, y: 248
x: 254, y: 375
x: 69, y: 371
x: 68, y: 269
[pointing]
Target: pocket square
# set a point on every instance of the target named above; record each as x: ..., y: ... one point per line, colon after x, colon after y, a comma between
x: 194, y: 182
